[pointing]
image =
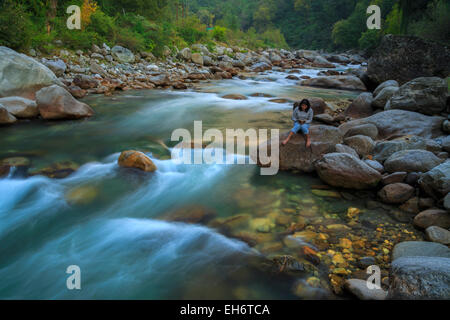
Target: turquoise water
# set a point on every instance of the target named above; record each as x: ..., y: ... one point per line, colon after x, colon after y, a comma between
x: 116, y: 231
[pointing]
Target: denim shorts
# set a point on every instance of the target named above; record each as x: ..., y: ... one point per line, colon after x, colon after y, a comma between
x: 304, y: 128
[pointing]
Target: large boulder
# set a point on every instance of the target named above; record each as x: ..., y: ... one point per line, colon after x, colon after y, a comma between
x: 5, y: 116
x: 436, y: 182
x: 412, y: 161
x: 197, y: 58
x: 368, y: 130
x: 347, y: 171
x: 397, y: 123
x: 417, y: 277
x: 404, y: 58
x: 336, y: 82
x: 57, y: 66
x: 361, y: 107
x: 22, y: 76
x: 185, y: 54
x: 20, y: 107
x: 55, y: 102
x: 260, y: 67
x: 432, y: 217
x: 383, y: 97
x: 388, y: 83
x: 122, y: 54
x: 424, y: 95
x: 396, y: 193
x: 384, y: 149
x: 137, y: 160
x: 363, y: 145
x: 295, y: 155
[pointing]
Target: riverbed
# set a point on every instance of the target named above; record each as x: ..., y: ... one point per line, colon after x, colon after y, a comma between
x: 113, y: 222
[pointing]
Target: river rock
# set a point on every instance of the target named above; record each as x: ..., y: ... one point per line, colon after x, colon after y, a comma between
x: 419, y: 249
x: 5, y: 116
x: 295, y: 155
x: 432, y: 217
x: 447, y: 202
x: 22, y: 76
x: 397, y: 123
x: 85, y: 82
x: 194, y: 214
x: 77, y: 92
x: 438, y: 234
x: 369, y: 130
x: 197, y: 58
x: 318, y: 105
x: 57, y: 66
x: 136, y: 159
x: 445, y: 142
x: 384, y: 149
x: 57, y: 103
x: 336, y: 82
x: 396, y: 193
x: 122, y: 54
x: 395, y: 177
x: 363, y: 145
x: 344, y: 170
x: 260, y: 67
x: 375, y: 164
x: 359, y: 288
x: 388, y: 83
x: 342, y: 148
x: 436, y: 181
x: 383, y: 97
x: 20, y: 107
x: 424, y: 95
x: 420, y: 278
x: 412, y: 161
x: 446, y: 126
x: 404, y: 58
x: 361, y: 107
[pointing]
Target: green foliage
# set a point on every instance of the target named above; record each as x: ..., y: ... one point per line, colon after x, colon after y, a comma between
x: 370, y: 40
x: 15, y: 25
x: 219, y: 33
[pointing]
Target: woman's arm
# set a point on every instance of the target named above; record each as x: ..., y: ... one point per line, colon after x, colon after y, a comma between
x: 310, y: 116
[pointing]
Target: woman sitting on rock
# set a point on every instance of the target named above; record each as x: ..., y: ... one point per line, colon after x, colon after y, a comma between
x: 302, y: 117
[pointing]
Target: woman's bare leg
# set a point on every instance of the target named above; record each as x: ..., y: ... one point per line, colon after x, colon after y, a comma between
x: 308, y: 140
x: 288, y: 138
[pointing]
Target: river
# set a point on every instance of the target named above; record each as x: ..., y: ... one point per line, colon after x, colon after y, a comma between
x: 110, y: 222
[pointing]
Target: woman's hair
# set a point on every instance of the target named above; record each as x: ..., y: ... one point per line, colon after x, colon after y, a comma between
x: 303, y: 102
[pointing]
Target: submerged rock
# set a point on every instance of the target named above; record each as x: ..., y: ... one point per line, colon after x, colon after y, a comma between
x: 82, y: 195
x: 194, y: 214
x: 57, y: 103
x: 344, y: 170
x: 235, y: 97
x: 136, y: 159
x: 5, y: 116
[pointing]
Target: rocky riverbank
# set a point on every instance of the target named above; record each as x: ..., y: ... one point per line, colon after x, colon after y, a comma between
x: 390, y: 146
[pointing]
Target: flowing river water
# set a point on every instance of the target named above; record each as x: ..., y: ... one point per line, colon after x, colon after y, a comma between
x: 110, y: 221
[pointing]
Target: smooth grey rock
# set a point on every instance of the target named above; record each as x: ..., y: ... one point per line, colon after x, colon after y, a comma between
x: 384, y: 149
x: 396, y: 193
x: 388, y: 83
x: 122, y: 54
x: 20, y: 107
x: 395, y: 177
x: 412, y: 161
x: 369, y: 130
x: 6, y: 117
x: 336, y: 82
x: 438, y: 234
x: 416, y: 278
x: 359, y: 288
x: 361, y: 107
x: 383, y: 97
x: 432, y: 217
x: 342, y: 148
x: 376, y: 165
x: 363, y: 145
x: 419, y: 248
x: 424, y: 95
x: 436, y: 182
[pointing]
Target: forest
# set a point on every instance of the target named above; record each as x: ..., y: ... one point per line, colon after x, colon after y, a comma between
x: 151, y: 25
